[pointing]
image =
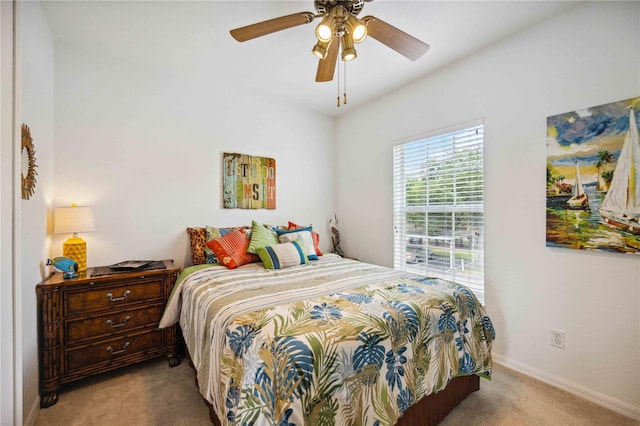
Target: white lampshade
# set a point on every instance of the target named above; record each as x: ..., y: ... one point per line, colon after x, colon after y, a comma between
x: 72, y: 219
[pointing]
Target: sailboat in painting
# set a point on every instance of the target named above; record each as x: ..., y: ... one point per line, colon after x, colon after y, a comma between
x: 621, y: 205
x: 579, y: 199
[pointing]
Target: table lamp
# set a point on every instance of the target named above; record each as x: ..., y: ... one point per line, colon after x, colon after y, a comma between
x: 71, y: 220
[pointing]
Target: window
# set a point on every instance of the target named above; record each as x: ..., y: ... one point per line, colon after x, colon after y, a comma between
x: 438, y: 207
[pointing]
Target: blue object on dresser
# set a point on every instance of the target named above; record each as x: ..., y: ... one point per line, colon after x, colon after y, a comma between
x: 67, y: 266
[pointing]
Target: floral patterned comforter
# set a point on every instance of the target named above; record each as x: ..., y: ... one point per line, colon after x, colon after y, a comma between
x: 333, y: 342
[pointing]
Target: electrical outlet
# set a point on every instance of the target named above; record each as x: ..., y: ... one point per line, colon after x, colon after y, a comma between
x: 557, y: 338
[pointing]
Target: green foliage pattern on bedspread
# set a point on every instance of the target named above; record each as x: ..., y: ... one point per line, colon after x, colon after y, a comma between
x: 333, y: 342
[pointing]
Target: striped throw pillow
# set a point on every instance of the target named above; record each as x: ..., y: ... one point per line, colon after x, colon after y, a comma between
x: 303, y: 234
x: 314, y: 235
x: 283, y: 255
x: 212, y: 233
x: 231, y: 249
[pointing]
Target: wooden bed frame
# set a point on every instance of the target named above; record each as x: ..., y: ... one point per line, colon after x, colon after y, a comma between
x: 429, y: 411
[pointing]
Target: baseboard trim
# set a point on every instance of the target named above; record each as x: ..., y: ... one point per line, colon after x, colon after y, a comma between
x: 605, y: 401
x: 33, y: 412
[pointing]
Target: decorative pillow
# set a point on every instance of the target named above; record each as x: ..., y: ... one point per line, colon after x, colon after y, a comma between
x: 231, y: 249
x: 303, y: 234
x: 213, y: 233
x: 275, y: 228
x: 261, y: 237
x: 314, y: 235
x: 197, y: 238
x: 283, y: 255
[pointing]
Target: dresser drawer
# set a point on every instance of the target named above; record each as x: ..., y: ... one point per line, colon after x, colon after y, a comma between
x: 112, y: 323
x: 79, y: 301
x: 113, y: 349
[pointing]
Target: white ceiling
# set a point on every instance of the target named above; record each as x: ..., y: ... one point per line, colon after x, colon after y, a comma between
x: 192, y: 38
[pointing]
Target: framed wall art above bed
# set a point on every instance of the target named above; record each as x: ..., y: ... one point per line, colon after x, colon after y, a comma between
x: 249, y: 182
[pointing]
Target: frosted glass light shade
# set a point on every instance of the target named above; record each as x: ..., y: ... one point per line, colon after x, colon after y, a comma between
x: 357, y: 29
x: 324, y: 32
x: 320, y: 49
x: 348, y: 51
x: 72, y: 219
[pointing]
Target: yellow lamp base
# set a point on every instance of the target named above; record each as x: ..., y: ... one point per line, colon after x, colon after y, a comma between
x: 76, y: 249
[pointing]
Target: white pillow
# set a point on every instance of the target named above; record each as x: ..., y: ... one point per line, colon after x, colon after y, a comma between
x: 305, y: 237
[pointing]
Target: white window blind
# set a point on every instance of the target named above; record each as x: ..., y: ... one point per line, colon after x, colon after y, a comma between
x: 438, y: 207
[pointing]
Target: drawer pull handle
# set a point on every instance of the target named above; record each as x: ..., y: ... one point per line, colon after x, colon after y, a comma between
x: 124, y: 348
x: 117, y: 299
x: 122, y: 324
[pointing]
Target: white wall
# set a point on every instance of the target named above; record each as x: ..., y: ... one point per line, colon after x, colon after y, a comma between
x: 10, y: 388
x: 587, y: 56
x: 37, y: 52
x: 144, y: 148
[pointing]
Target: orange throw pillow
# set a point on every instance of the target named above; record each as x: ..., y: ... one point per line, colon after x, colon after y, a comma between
x: 231, y: 249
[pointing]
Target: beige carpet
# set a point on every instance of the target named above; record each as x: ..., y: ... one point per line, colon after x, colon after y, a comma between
x: 154, y: 394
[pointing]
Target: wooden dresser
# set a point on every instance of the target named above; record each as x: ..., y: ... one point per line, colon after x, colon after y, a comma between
x: 96, y: 323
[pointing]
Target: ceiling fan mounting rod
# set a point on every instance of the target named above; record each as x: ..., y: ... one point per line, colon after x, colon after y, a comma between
x: 340, y: 18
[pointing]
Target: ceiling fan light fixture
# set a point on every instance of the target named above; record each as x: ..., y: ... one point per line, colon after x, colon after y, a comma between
x: 321, y: 49
x: 324, y: 30
x: 349, y: 54
x: 356, y: 28
x: 348, y: 51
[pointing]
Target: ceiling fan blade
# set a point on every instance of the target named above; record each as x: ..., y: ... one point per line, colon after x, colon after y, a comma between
x: 403, y: 43
x: 271, y: 26
x: 327, y: 66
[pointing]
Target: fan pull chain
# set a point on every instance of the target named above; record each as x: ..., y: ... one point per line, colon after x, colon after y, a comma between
x: 344, y: 87
x: 345, y: 83
x: 338, y: 101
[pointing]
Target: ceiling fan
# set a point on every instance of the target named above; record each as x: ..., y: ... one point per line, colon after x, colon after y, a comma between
x: 339, y: 28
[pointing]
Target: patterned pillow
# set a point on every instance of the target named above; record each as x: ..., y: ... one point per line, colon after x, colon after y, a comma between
x: 314, y: 235
x: 261, y: 237
x: 212, y: 234
x: 302, y: 234
x: 231, y: 249
x: 197, y: 238
x: 275, y: 228
x: 283, y: 255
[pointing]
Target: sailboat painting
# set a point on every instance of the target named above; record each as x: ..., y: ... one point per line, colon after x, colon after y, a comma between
x: 579, y: 198
x: 621, y: 205
x: 593, y: 178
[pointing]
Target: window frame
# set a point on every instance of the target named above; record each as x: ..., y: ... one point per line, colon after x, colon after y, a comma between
x: 421, y: 252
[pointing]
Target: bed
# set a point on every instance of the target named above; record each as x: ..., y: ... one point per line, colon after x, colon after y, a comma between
x: 332, y: 341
